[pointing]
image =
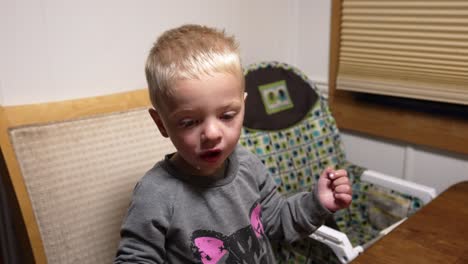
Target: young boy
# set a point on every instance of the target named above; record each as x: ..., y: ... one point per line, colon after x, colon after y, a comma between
x: 212, y: 201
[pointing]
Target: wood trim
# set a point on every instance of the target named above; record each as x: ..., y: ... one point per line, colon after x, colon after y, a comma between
x: 14, y: 116
x: 436, y: 125
x: 334, y: 48
x: 21, y: 193
x: 76, y: 108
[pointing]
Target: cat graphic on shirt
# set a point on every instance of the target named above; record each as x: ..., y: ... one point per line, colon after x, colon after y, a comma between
x: 246, y: 245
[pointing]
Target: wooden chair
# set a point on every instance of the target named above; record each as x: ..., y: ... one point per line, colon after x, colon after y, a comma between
x: 73, y: 166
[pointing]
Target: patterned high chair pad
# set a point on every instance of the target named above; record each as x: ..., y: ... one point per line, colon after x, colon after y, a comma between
x: 294, y: 149
x: 289, y: 126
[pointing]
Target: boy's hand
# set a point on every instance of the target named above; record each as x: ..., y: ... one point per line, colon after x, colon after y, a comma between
x: 334, y: 190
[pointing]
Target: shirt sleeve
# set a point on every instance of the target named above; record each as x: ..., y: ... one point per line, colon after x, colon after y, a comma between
x: 143, y: 233
x: 291, y: 218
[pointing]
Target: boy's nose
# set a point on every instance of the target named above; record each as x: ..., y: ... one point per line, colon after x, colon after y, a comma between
x: 211, y: 132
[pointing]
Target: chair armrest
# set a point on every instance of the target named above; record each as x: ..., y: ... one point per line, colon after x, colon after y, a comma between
x: 423, y: 192
x: 338, y: 242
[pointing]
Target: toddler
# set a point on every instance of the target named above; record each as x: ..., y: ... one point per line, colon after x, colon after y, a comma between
x: 212, y: 201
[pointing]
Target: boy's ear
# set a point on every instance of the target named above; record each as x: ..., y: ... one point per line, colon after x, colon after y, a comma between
x: 157, y: 120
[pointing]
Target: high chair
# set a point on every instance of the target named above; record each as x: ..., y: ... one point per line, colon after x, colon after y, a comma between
x: 289, y: 126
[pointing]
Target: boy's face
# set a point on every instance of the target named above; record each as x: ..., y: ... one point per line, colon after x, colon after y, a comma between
x: 203, y: 119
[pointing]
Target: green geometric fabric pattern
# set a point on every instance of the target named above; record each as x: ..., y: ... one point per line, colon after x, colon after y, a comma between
x: 295, y: 157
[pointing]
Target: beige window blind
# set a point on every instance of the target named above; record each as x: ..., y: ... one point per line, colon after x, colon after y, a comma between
x: 415, y: 49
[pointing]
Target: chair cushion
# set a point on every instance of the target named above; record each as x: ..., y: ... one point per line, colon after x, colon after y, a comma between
x: 295, y: 152
x: 296, y: 156
x: 80, y: 174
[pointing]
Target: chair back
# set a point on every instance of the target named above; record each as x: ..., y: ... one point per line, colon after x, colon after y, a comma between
x: 73, y: 166
x: 288, y: 126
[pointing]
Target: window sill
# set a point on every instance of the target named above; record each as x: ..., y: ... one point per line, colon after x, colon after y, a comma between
x: 436, y: 125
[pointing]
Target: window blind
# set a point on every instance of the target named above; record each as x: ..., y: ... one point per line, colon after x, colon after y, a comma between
x: 415, y: 49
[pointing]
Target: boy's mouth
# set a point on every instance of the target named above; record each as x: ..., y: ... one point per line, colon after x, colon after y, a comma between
x: 211, y: 155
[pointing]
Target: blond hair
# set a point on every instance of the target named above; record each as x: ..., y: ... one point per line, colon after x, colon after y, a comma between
x: 189, y: 52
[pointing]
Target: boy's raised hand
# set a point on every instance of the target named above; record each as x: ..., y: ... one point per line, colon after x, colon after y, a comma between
x: 334, y: 189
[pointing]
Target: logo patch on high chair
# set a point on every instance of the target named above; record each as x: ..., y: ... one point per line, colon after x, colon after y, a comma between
x: 275, y: 97
x: 287, y: 98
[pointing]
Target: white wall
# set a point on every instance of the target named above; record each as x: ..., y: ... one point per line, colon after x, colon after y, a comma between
x: 61, y: 49
x: 436, y: 168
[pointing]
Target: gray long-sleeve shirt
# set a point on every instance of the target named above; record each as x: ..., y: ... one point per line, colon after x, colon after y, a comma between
x: 177, y: 218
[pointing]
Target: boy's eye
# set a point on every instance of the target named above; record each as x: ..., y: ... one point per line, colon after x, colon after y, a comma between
x: 185, y: 123
x: 228, y: 115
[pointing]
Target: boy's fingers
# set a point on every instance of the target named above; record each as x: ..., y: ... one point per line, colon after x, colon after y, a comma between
x: 346, y: 189
x: 344, y: 198
x: 340, y: 173
x: 328, y: 173
x: 341, y: 181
